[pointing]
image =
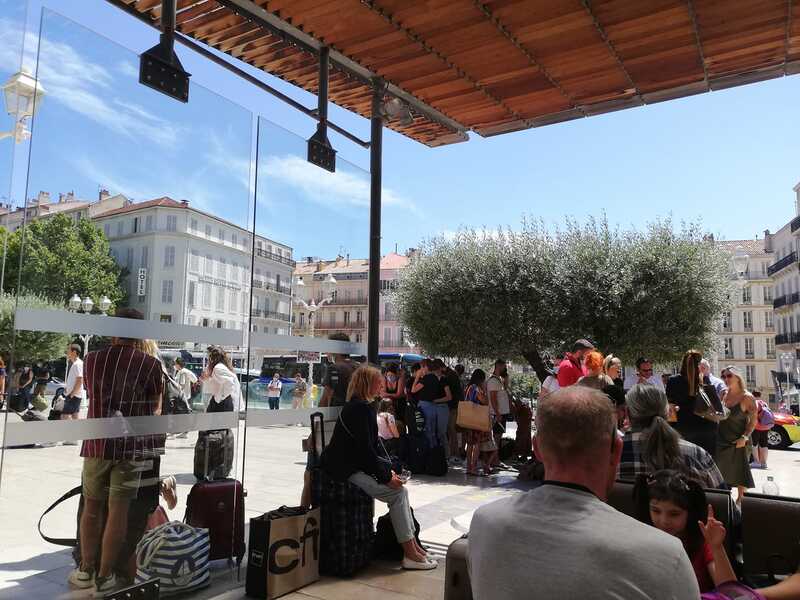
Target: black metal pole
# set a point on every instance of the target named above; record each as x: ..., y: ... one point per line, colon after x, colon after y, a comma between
x: 375, y: 168
x: 322, y: 92
x: 168, y: 21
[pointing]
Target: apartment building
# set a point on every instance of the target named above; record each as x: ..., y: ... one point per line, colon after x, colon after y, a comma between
x: 747, y: 331
x: 41, y: 207
x: 190, y: 267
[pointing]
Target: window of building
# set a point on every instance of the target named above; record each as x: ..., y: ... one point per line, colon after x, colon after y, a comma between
x: 209, y: 266
x: 277, y: 281
x: 747, y: 295
x: 770, y: 347
x: 358, y: 338
x: 750, y: 375
x: 107, y: 230
x: 332, y: 318
x: 120, y: 228
x: 193, y: 226
x: 192, y: 300
x: 387, y: 336
x: 172, y: 223
x: 165, y: 319
x: 194, y: 261
x: 135, y: 226
x: 166, y: 291
x: 235, y: 271
x: 347, y: 317
x: 148, y: 223
x: 401, y: 337
x: 768, y: 293
x: 220, y: 304
x: 748, y: 348
x: 208, y: 231
x: 145, y: 257
x: 729, y: 348
x: 129, y: 259
x: 360, y: 295
x: 169, y: 256
x: 727, y: 324
x: 206, y: 289
x: 221, y: 235
x: 388, y: 311
x: 222, y: 269
x: 764, y: 269
x: 302, y: 322
x: 358, y: 316
x: 747, y: 320
x: 769, y: 324
x: 220, y: 324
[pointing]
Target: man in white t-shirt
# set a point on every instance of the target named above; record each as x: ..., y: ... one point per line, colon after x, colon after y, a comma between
x: 644, y: 374
x: 73, y: 386
x: 561, y: 540
x: 185, y: 380
x: 274, y: 392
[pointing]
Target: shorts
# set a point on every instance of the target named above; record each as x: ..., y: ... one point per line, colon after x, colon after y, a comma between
x: 759, y: 438
x: 118, y: 479
x: 72, y: 405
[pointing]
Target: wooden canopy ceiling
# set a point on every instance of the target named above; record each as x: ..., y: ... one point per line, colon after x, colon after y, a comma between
x: 497, y: 66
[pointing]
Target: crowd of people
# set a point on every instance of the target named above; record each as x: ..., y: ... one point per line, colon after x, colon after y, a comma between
x: 674, y: 437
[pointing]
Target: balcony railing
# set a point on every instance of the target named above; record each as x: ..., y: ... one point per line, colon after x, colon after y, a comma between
x: 769, y: 327
x: 779, y: 301
x: 751, y: 383
x: 346, y: 301
x: 266, y: 285
x: 786, y: 300
x: 270, y: 314
x: 340, y: 325
x: 748, y: 327
x: 749, y: 355
x: 275, y: 257
x: 782, y: 263
x: 795, y: 224
x: 787, y: 338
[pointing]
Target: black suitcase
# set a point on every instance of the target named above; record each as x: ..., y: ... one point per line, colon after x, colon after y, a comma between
x: 386, y: 546
x: 213, y: 454
x: 416, y: 453
x: 437, y: 462
x: 18, y: 402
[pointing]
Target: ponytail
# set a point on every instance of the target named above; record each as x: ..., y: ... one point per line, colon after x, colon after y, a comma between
x: 660, y: 446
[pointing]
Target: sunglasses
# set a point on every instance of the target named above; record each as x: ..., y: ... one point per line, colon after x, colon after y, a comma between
x: 726, y: 375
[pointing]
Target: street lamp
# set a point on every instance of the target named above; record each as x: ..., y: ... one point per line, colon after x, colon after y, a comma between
x: 328, y: 285
x: 740, y: 259
x: 786, y: 364
x: 86, y: 305
x: 23, y: 94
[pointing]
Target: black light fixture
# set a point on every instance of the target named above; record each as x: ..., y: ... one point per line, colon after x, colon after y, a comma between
x: 159, y: 67
x: 320, y: 151
x: 395, y: 109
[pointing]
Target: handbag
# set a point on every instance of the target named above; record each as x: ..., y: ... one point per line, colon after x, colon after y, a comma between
x: 708, y: 405
x: 284, y: 551
x: 176, y: 554
x: 473, y: 416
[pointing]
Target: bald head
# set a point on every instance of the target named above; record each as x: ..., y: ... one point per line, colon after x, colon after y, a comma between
x: 575, y: 425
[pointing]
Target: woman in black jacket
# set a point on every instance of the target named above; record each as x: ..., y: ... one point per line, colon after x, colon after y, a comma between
x: 352, y: 455
x: 681, y: 391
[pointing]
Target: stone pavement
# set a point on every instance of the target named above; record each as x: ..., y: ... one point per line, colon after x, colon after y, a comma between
x: 273, y: 469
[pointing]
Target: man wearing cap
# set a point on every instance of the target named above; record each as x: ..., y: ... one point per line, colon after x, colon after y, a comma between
x: 571, y: 368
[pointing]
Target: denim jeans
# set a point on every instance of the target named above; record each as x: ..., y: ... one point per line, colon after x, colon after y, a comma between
x: 399, y: 506
x: 274, y: 402
x: 436, y: 417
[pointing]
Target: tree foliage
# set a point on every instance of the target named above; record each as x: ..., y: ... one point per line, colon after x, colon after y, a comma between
x: 28, y: 345
x: 534, y: 291
x: 60, y: 258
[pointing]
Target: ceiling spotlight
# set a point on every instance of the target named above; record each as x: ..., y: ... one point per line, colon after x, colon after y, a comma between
x: 395, y: 109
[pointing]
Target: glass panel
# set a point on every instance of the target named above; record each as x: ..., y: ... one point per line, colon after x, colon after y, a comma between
x: 123, y: 183
x: 321, y: 220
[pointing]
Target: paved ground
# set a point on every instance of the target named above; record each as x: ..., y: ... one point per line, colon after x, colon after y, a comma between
x: 33, y: 478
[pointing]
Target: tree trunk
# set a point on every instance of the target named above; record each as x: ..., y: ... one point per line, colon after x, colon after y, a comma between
x: 535, y: 360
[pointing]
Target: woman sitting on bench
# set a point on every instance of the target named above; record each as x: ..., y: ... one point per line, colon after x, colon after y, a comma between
x: 353, y: 456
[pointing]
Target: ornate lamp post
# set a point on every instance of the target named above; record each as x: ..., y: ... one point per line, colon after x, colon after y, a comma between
x: 86, y: 305
x: 328, y: 287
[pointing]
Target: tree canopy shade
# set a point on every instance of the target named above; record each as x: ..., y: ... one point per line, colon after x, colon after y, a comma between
x: 28, y: 345
x: 61, y: 257
x: 535, y: 291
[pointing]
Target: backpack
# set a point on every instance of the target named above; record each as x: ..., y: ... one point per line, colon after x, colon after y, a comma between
x: 765, y: 417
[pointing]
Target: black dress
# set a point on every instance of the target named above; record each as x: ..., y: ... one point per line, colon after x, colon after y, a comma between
x: 694, y: 429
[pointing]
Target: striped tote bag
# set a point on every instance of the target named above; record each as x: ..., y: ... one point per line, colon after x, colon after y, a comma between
x: 175, y: 553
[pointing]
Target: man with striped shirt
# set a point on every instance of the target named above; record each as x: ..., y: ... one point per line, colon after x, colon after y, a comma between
x: 121, y: 382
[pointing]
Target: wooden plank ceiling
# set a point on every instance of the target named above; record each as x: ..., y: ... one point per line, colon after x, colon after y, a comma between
x: 496, y: 66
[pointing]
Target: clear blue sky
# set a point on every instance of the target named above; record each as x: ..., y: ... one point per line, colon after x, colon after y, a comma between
x: 728, y: 158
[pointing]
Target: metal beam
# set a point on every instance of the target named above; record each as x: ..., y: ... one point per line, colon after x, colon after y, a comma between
x: 301, y: 39
x: 696, y: 28
x: 216, y: 59
x: 375, y: 171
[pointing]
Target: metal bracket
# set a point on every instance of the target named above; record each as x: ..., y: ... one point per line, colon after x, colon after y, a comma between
x: 159, y: 67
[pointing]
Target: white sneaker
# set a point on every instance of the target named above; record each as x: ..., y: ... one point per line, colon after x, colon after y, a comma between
x: 413, y: 565
x: 104, y: 585
x: 82, y: 580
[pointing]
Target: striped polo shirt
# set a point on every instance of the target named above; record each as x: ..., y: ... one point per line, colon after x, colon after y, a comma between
x: 122, y: 381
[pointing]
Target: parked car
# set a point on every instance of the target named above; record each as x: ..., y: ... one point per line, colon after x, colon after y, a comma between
x: 785, y: 432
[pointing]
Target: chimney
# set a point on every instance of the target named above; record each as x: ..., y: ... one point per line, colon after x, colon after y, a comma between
x: 70, y: 197
x: 767, y: 241
x: 43, y: 198
x: 103, y: 195
x: 185, y: 202
x: 319, y: 266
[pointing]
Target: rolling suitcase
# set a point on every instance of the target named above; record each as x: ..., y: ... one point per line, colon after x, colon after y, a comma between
x: 219, y: 507
x: 213, y: 454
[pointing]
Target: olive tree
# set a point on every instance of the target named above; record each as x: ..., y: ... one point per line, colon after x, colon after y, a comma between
x: 28, y: 345
x: 531, y: 292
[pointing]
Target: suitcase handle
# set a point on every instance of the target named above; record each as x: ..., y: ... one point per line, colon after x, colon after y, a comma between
x: 317, y: 422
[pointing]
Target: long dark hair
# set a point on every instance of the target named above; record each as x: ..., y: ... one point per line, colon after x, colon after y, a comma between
x: 647, y: 410
x: 478, y: 377
x: 690, y: 369
x: 684, y: 492
x: 217, y: 355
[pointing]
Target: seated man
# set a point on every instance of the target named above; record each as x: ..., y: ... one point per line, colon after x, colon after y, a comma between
x: 562, y: 540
